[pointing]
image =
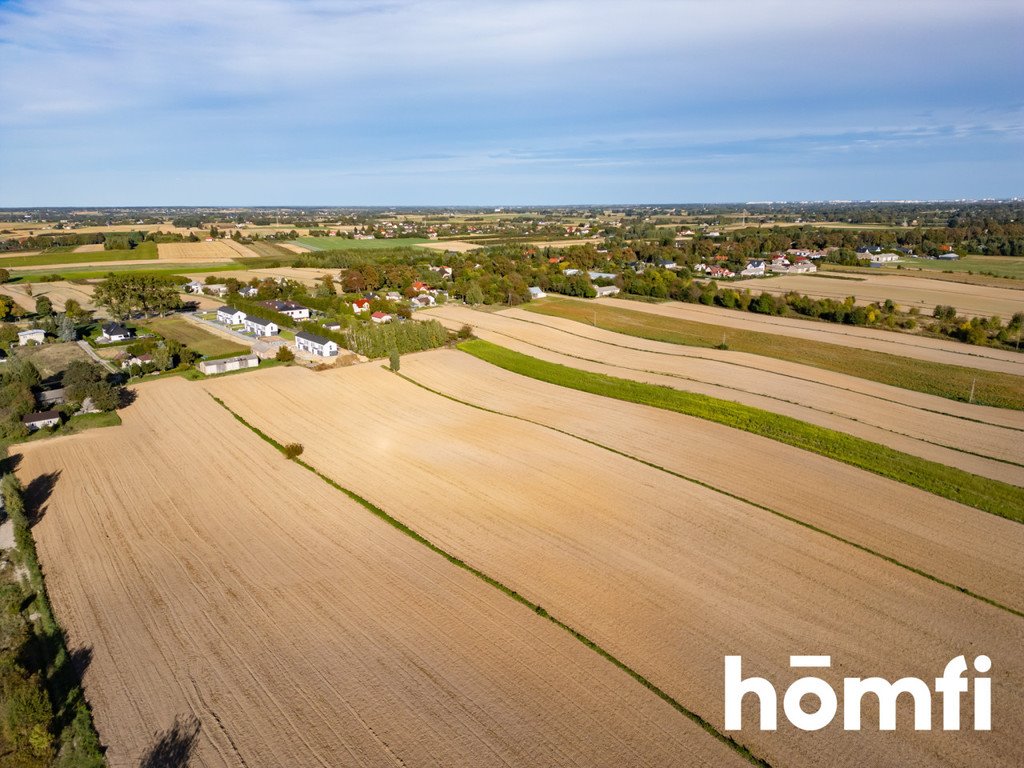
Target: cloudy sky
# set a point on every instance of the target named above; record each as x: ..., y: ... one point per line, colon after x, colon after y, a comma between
x: 420, y: 102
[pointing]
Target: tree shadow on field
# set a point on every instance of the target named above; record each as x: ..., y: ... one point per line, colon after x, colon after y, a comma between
x: 9, y: 463
x: 37, y: 493
x: 173, y: 747
x: 126, y: 397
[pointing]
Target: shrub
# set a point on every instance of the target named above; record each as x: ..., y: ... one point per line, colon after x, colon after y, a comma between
x: 293, y: 450
x: 285, y: 355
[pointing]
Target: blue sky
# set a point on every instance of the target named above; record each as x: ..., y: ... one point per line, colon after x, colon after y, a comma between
x: 275, y: 102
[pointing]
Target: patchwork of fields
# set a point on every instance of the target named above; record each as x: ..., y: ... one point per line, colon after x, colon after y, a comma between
x: 470, y: 566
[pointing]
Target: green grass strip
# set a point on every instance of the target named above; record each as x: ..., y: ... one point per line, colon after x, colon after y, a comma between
x: 729, y: 494
x: 509, y: 592
x: 993, y: 496
x: 145, y: 250
x: 993, y: 388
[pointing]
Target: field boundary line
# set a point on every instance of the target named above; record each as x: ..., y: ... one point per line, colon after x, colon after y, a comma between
x: 707, y: 726
x: 749, y: 367
x: 729, y: 494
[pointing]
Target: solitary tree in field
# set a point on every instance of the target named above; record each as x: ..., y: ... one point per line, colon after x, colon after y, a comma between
x: 395, y: 361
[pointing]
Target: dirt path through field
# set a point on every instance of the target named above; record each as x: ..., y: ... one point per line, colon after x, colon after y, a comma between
x: 207, y: 576
x: 666, y: 575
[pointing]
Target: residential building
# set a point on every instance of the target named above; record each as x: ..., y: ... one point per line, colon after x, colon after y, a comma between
x: 380, y: 317
x: 36, y: 421
x: 360, y: 305
x: 753, y: 269
x: 294, y: 310
x: 230, y: 316
x: 315, y: 345
x: 257, y: 326
x: 31, y: 336
x: 114, y: 332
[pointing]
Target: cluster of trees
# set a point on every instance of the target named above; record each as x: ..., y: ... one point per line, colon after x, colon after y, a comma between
x: 167, y: 356
x: 977, y: 330
x: 133, y: 294
x: 18, y: 380
x: 376, y: 341
x: 44, y: 720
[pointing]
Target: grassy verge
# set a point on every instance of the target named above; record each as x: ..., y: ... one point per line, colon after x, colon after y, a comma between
x: 46, y: 718
x: 145, y: 250
x: 508, y: 591
x: 991, y: 496
x: 1001, y: 390
x: 78, y: 423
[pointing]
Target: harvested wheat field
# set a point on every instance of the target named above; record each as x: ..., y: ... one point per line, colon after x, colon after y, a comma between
x: 295, y: 248
x: 90, y: 248
x: 664, y: 574
x: 306, y: 275
x: 202, y: 252
x: 890, y: 342
x: 58, y: 292
x: 459, y: 246
x: 922, y: 293
x: 226, y: 583
x: 922, y: 425
x: 959, y: 544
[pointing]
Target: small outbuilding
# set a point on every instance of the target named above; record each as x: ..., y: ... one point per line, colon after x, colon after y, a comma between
x: 31, y: 336
x: 211, y: 367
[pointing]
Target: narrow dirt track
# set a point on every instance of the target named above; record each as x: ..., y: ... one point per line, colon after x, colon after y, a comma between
x: 209, y: 576
x: 666, y: 575
x: 956, y: 543
x: 890, y: 342
x: 820, y: 399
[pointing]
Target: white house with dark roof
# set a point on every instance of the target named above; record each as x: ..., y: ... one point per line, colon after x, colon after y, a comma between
x: 754, y: 268
x: 114, y: 332
x: 36, y: 421
x: 257, y: 326
x: 315, y: 345
x: 230, y: 316
x: 293, y: 309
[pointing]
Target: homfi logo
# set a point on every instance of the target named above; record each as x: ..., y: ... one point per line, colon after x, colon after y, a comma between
x: 911, y: 691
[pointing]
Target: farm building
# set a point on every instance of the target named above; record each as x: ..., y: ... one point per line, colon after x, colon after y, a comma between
x: 211, y: 367
x: 605, y: 290
x: 884, y: 258
x: 536, y: 292
x: 380, y: 317
x: 257, y: 326
x: 332, y: 325
x: 31, y: 336
x: 230, y: 316
x: 36, y: 421
x: 114, y: 332
x: 360, y: 305
x: 294, y: 310
x: 315, y: 345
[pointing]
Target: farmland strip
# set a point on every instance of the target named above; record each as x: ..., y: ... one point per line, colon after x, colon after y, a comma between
x: 985, y: 494
x: 740, y: 748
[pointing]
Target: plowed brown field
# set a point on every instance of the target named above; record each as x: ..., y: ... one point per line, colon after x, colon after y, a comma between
x: 890, y: 342
x: 958, y: 544
x: 934, y: 428
x: 209, y: 576
x: 666, y: 575
x: 922, y: 293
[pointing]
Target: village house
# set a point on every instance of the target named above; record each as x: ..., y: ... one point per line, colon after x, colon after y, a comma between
x: 393, y: 296
x: 422, y: 301
x: 248, y: 291
x: 315, y: 345
x: 230, y: 316
x: 31, y: 336
x: 212, y: 367
x: 257, y: 326
x: 884, y: 258
x: 701, y: 267
x: 114, y: 332
x: 216, y: 290
x: 360, y: 305
x: 717, y: 271
x: 420, y: 286
x: 332, y: 325
x: 753, y: 269
x: 194, y: 287
x: 140, y: 360
x: 605, y: 290
x: 36, y: 421
x: 294, y: 310
x: 380, y: 317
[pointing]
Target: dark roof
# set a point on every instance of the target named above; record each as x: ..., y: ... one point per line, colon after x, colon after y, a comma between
x: 307, y: 336
x: 111, y: 328
x: 258, y: 321
x: 228, y: 309
x: 281, y: 306
x: 41, y: 416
